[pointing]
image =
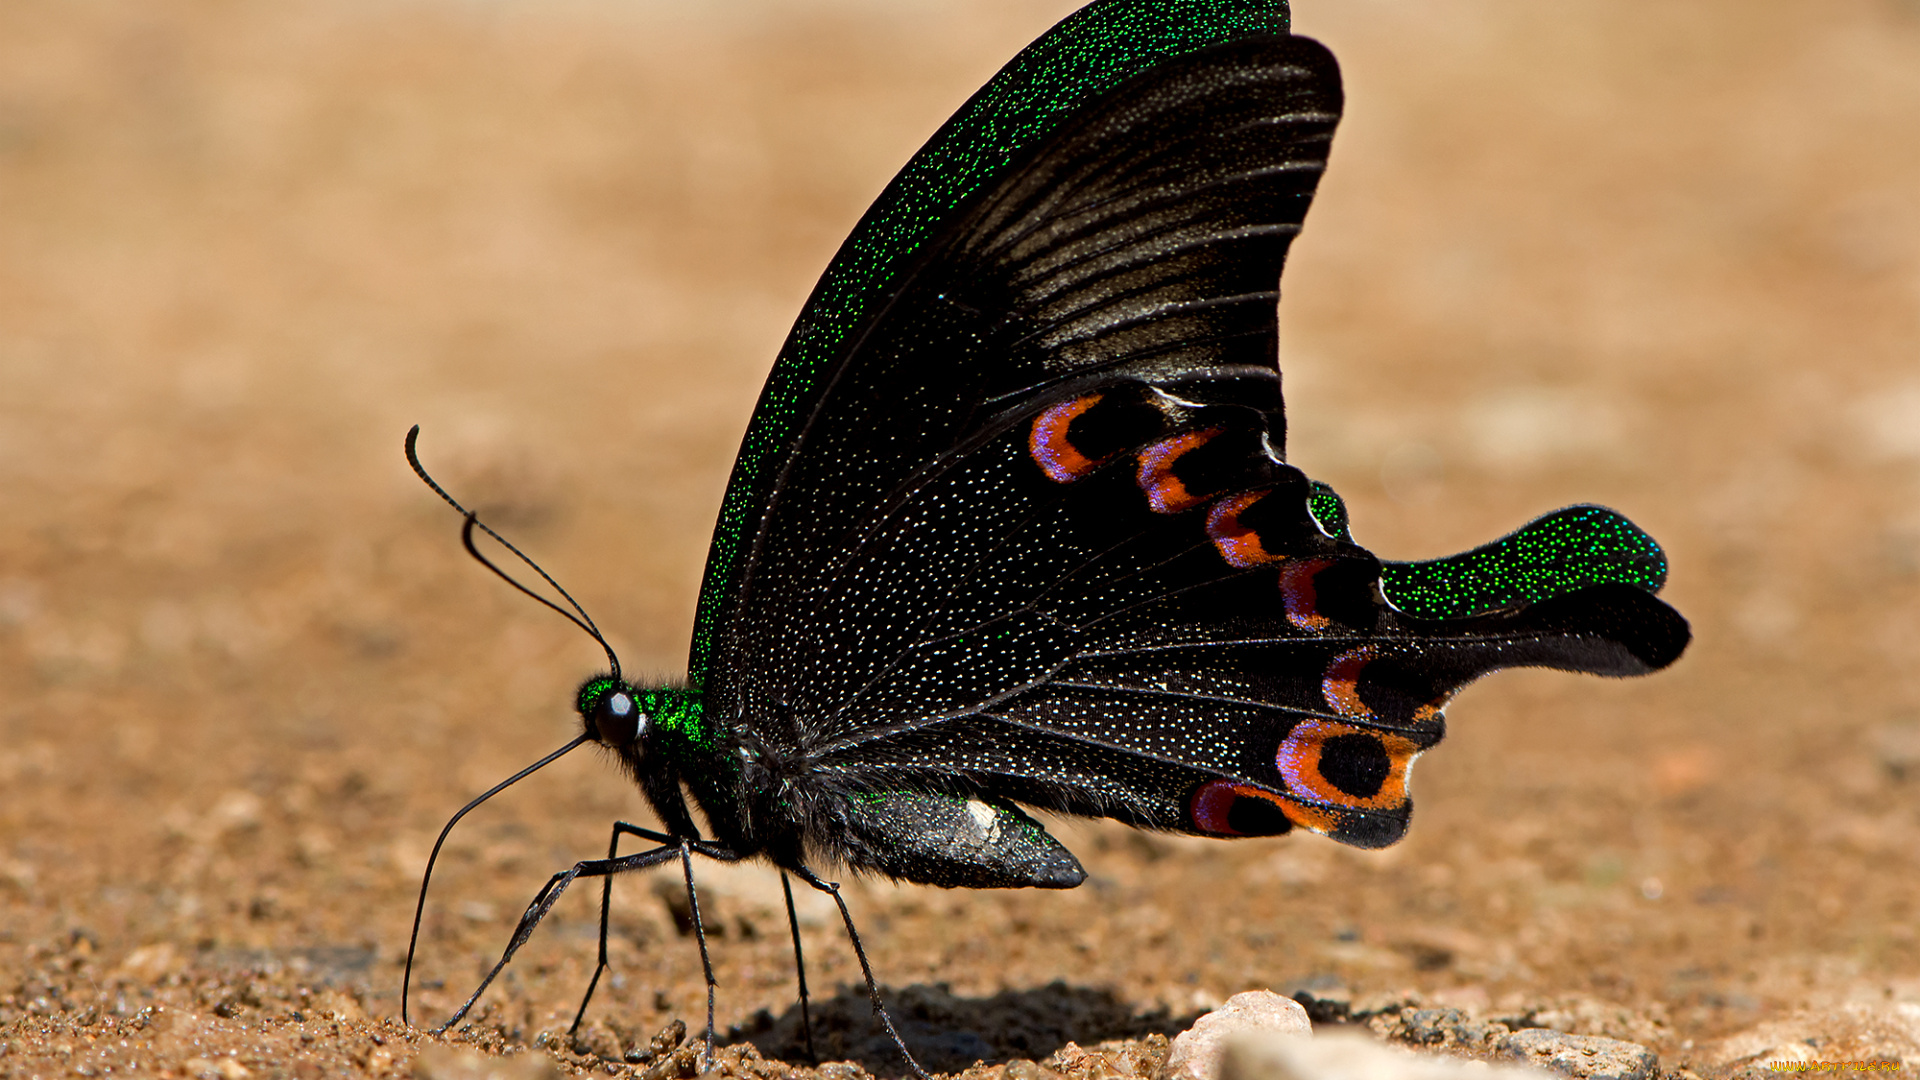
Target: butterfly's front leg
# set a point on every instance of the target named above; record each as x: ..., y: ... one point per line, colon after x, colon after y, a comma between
x: 686, y: 848
x: 620, y: 828
x: 549, y: 895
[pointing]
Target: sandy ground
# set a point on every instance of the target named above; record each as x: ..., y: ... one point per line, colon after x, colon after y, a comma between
x: 1662, y: 256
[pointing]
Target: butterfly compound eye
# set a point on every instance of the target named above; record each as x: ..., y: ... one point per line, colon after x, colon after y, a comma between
x: 617, y: 720
x: 612, y: 713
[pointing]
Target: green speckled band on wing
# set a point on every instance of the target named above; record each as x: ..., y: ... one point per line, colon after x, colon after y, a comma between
x: 1563, y: 552
x: 1091, y: 52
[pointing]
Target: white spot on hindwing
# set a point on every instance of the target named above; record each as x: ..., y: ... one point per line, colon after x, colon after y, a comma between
x: 986, y: 819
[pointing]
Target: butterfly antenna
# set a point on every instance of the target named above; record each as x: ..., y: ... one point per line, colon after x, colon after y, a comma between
x: 578, y: 616
x: 406, y: 980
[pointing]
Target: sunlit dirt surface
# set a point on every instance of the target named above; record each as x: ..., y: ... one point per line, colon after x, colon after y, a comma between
x: 1660, y: 256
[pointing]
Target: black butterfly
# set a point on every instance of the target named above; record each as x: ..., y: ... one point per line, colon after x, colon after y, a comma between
x: 1012, y: 525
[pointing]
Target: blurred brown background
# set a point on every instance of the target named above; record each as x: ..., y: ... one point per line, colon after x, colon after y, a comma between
x: 1661, y: 256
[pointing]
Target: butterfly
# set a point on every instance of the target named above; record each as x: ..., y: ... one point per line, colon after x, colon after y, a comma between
x: 1013, y: 527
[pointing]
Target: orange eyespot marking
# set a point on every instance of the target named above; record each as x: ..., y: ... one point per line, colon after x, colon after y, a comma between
x: 1238, y: 544
x: 1165, y: 493
x: 1224, y: 808
x: 1051, y: 448
x: 1299, y: 598
x: 1344, y: 765
x: 1341, y: 684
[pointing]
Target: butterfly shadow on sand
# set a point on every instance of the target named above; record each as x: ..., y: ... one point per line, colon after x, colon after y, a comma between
x: 950, y: 1032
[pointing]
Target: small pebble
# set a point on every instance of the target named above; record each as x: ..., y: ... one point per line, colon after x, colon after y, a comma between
x: 1588, y: 1057
x: 679, y: 1065
x: 669, y: 1038
x: 1196, y: 1051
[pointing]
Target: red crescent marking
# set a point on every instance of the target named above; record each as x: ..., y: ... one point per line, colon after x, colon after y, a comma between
x: 1050, y: 447
x: 1164, y: 491
x: 1239, y: 545
x: 1212, y: 803
x: 1299, y: 596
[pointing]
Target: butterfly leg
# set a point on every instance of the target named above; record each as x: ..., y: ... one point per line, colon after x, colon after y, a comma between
x: 832, y: 888
x: 700, y: 935
x: 549, y: 895
x: 620, y: 828
x: 799, y: 966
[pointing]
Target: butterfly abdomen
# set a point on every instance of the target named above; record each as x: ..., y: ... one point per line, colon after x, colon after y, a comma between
x: 953, y: 841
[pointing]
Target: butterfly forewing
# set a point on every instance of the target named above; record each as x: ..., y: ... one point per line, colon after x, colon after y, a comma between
x: 913, y: 486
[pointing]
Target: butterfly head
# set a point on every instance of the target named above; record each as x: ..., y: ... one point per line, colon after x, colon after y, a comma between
x: 613, y: 712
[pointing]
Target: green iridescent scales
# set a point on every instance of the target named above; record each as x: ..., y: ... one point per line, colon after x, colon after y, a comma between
x: 678, y: 711
x: 665, y: 707
x: 1563, y: 552
x: 1091, y: 52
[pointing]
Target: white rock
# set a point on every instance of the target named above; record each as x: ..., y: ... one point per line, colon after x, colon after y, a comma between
x: 1196, y: 1051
